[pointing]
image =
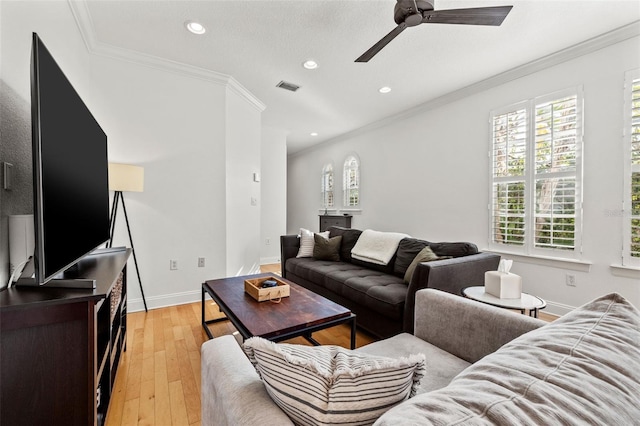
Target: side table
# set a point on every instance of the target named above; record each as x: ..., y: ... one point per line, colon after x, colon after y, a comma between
x: 526, y: 302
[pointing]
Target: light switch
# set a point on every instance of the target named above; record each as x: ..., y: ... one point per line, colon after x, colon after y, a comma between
x: 7, y: 176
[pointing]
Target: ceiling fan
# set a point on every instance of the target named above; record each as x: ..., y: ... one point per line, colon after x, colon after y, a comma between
x: 409, y: 13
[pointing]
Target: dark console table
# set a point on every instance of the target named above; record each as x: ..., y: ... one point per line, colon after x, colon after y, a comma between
x: 60, y: 347
x: 327, y: 221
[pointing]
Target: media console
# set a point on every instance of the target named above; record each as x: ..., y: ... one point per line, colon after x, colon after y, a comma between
x: 60, y: 347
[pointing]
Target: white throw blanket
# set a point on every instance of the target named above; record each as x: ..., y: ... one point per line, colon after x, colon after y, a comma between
x: 376, y: 247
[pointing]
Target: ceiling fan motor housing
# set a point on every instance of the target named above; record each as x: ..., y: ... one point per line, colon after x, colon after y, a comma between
x: 405, y: 11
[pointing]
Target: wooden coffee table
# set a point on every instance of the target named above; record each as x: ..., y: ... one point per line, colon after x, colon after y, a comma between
x: 300, y: 314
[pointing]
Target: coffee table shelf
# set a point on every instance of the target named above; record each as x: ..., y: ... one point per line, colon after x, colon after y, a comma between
x: 301, y: 314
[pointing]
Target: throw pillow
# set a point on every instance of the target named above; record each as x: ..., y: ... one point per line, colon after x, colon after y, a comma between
x: 408, y: 249
x: 307, y: 242
x: 320, y: 385
x: 349, y: 238
x: 425, y: 255
x: 326, y: 249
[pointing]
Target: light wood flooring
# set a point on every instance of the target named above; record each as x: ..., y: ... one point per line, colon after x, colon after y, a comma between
x: 158, y: 378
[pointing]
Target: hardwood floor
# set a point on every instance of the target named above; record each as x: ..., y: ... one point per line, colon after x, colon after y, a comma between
x: 158, y: 379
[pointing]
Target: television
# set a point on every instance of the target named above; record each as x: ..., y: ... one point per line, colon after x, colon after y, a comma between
x: 70, y: 172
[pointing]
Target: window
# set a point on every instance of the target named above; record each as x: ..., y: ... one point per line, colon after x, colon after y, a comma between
x: 327, y: 186
x: 631, y: 218
x: 351, y: 181
x: 536, y: 175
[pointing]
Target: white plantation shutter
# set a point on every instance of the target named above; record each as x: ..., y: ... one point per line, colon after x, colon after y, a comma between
x: 556, y: 148
x: 327, y: 186
x: 351, y: 181
x: 631, y: 218
x: 536, y: 174
x: 508, y: 190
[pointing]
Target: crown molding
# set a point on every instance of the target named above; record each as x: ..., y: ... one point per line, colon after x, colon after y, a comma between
x: 84, y: 22
x: 588, y: 46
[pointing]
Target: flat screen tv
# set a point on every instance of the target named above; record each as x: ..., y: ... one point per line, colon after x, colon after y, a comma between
x: 70, y: 171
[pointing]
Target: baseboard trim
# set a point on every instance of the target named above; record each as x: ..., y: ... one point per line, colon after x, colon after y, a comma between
x: 559, y: 309
x: 269, y: 260
x: 155, y: 302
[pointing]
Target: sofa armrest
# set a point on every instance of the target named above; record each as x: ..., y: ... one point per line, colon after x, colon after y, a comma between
x: 466, y: 328
x: 230, y: 384
x: 289, y: 246
x: 450, y: 275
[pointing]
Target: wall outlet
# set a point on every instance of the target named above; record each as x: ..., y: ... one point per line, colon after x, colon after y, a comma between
x: 571, y: 280
x: 267, y: 241
x: 201, y: 262
x: 173, y: 265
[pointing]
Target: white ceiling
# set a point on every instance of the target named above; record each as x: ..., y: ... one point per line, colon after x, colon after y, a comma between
x: 261, y: 42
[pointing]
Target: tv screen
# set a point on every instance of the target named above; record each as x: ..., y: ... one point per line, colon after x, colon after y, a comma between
x: 71, y: 193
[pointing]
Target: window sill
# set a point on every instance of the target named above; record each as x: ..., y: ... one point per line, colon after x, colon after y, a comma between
x: 351, y: 211
x: 329, y: 212
x: 625, y: 271
x: 556, y: 262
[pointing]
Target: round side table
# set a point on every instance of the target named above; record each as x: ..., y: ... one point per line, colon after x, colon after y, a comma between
x: 526, y: 302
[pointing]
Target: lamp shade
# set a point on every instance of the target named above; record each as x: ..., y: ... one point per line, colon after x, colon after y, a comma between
x: 126, y: 178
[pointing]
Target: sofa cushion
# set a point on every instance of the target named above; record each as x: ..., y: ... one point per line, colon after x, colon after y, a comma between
x: 349, y: 238
x: 583, y: 368
x: 453, y: 249
x: 408, y: 248
x: 382, y: 293
x: 378, y: 291
x: 326, y: 248
x: 441, y: 366
x: 331, y: 385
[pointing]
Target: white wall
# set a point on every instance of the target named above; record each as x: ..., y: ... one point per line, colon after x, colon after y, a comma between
x: 173, y: 126
x: 198, y: 140
x: 427, y: 175
x: 242, y: 193
x: 273, y: 220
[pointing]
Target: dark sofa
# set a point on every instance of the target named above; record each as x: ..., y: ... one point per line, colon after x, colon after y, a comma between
x: 377, y: 294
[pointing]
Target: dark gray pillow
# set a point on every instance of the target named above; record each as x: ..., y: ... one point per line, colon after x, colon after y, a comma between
x: 349, y: 238
x: 408, y: 249
x: 326, y: 249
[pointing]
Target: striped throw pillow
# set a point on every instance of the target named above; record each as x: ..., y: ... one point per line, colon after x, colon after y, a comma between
x: 307, y: 242
x: 324, y: 385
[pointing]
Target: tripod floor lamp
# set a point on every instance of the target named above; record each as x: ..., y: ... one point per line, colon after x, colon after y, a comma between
x: 125, y: 178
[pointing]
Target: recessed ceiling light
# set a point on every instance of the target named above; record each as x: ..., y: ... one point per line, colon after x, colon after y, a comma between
x: 195, y: 27
x: 314, y: 134
x: 385, y: 89
x: 310, y: 64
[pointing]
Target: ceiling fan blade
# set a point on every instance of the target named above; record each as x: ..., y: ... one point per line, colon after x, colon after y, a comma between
x: 382, y: 43
x: 473, y: 16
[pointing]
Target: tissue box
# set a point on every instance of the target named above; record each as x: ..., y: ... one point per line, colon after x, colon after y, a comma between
x: 503, y: 285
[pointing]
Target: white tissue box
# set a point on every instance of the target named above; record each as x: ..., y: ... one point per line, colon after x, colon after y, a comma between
x: 503, y: 285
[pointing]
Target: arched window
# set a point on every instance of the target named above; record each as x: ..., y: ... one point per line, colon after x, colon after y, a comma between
x: 327, y: 186
x: 351, y: 181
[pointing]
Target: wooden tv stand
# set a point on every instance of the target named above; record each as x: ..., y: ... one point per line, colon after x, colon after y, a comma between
x: 60, y: 347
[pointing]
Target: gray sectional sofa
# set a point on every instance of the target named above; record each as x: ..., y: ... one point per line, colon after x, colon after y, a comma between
x: 377, y: 294
x: 484, y: 366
